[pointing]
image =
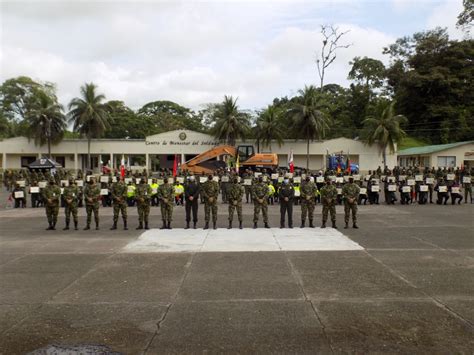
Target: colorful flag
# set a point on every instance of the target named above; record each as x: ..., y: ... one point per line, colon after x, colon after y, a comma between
x: 175, y: 165
x: 122, y: 167
x: 290, y: 162
x: 348, y: 163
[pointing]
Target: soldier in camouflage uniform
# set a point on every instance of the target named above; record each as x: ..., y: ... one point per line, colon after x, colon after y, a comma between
x: 166, y: 196
x: 119, y: 202
x: 143, y: 196
x: 308, y: 193
x: 92, y: 198
x: 328, y: 199
x: 467, y: 186
x: 210, y: 192
x: 260, y: 199
x: 235, y: 193
x: 51, y: 196
x: 350, y: 192
x: 70, y: 195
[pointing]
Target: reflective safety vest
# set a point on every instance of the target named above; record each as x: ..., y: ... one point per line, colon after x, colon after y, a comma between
x: 271, y: 189
x: 297, y: 191
x: 154, y: 188
x: 178, y: 190
x: 131, y: 190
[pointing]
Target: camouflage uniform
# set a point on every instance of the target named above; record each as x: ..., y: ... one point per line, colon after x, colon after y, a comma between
x: 119, y: 202
x: 166, y: 196
x: 51, y: 196
x: 92, y: 198
x: 260, y: 199
x: 328, y: 199
x: 143, y: 196
x: 70, y: 195
x: 210, y: 192
x: 467, y: 187
x: 308, y: 192
x: 235, y: 193
x: 350, y: 192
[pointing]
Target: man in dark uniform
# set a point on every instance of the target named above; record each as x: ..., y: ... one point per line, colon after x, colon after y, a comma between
x: 286, y: 196
x: 191, y: 196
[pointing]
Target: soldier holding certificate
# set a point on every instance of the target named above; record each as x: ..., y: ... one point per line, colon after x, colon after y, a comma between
x: 350, y: 193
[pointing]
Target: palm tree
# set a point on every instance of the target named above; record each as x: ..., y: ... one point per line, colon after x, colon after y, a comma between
x: 268, y: 127
x: 46, y: 122
x: 230, y: 122
x: 308, y: 121
x: 384, y: 128
x: 89, y: 115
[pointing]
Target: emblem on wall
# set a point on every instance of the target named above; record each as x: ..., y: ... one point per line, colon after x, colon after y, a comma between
x: 182, y: 136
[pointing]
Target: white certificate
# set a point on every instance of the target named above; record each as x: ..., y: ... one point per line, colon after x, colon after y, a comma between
x: 62, y: 190
x: 383, y: 177
x: 332, y: 177
x: 19, y: 194
x: 42, y: 184
x: 356, y: 177
x: 274, y: 176
x: 128, y: 180
x: 450, y: 177
x: 257, y: 174
x: 154, y: 190
x: 346, y: 178
x: 339, y: 180
x: 406, y: 189
x: 80, y: 183
x: 160, y: 181
x: 297, y: 179
x: 280, y: 179
x: 202, y: 179
x: 21, y: 183
x: 289, y: 175
x: 375, y: 181
x: 367, y: 177
x: 442, y: 189
x: 418, y: 177
x: 392, y: 187
x: 104, y: 192
x: 423, y: 188
x: 363, y: 191
x: 180, y: 179
x: 64, y: 183
x: 215, y: 178
x: 225, y: 178
x: 402, y: 177
x: 88, y: 178
x: 430, y: 181
x: 171, y: 180
x: 34, y: 189
x: 375, y: 188
x: 339, y: 191
x: 114, y: 179
x: 137, y: 180
x: 319, y: 179
x: 264, y: 178
x: 455, y: 189
x: 391, y: 179
x: 466, y: 179
x: 411, y: 182
x: 247, y: 182
x: 104, y: 178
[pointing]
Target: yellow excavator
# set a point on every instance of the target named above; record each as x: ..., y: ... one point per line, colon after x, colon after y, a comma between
x: 208, y: 161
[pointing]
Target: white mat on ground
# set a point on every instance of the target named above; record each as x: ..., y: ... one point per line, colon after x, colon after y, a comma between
x: 236, y: 240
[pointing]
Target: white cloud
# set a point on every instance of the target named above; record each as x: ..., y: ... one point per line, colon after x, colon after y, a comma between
x: 445, y: 15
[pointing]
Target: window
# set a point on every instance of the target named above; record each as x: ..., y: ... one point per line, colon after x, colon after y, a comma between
x: 61, y: 160
x: 446, y: 162
x: 425, y: 161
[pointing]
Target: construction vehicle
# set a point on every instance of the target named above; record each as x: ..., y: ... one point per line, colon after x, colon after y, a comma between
x: 213, y: 159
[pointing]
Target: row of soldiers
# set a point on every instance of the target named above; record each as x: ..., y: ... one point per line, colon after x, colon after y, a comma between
x: 209, y: 190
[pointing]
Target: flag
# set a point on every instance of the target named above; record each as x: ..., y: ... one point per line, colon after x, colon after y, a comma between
x: 348, y: 163
x: 122, y: 167
x: 175, y: 165
x: 237, y: 164
x: 290, y: 162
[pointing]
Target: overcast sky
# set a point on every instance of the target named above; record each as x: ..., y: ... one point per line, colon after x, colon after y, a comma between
x: 195, y: 52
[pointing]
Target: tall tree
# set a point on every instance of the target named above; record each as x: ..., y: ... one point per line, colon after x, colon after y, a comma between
x: 331, y: 43
x: 309, y: 122
x: 367, y: 71
x: 269, y: 127
x: 89, y: 116
x: 466, y: 17
x: 230, y: 123
x: 384, y: 128
x: 46, y: 121
x: 125, y: 123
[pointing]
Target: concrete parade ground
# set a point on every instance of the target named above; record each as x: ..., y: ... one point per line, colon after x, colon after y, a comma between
x: 402, y: 283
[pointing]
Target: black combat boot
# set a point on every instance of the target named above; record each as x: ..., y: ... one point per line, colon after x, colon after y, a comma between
x: 53, y: 227
x: 50, y: 226
x: 290, y: 226
x: 282, y: 226
x: 230, y: 225
x: 346, y: 226
x: 164, y: 225
x: 323, y: 225
x: 214, y: 225
x: 75, y: 226
x: 114, y: 226
x: 355, y: 226
x: 67, y: 227
x: 87, y: 227
x: 206, y: 226
x: 240, y: 224
x: 125, y: 228
x: 255, y: 225
x: 169, y: 225
x: 266, y: 225
x: 140, y: 226
x: 303, y: 222
x: 311, y: 225
x: 334, y: 224
x: 146, y: 225
x: 97, y: 226
x: 187, y: 225
x: 194, y: 225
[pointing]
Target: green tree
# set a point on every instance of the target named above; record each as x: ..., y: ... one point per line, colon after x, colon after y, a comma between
x: 125, y: 123
x: 89, y: 116
x: 46, y: 121
x: 367, y: 71
x: 384, y: 128
x: 229, y: 122
x: 466, y: 17
x: 269, y: 127
x: 308, y: 120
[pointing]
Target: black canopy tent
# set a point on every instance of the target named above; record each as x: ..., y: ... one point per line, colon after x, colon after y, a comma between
x: 44, y: 163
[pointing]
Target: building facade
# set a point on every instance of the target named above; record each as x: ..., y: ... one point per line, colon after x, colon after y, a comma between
x: 159, y: 151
